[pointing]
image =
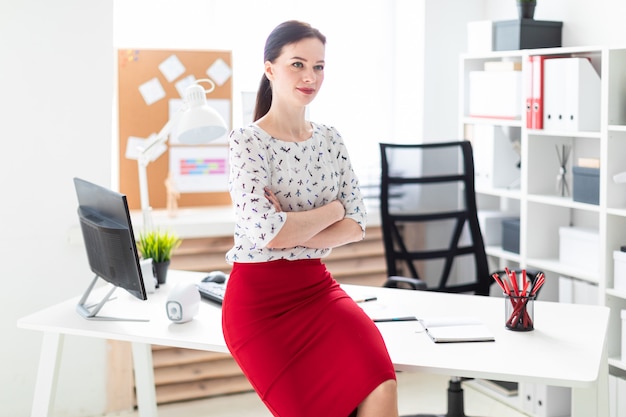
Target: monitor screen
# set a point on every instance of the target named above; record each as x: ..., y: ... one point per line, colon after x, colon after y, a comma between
x: 108, y: 236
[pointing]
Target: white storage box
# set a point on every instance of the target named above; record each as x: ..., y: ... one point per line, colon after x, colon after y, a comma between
x: 495, y: 158
x: 579, y: 247
x: 575, y: 291
x: 621, y: 394
x: 545, y: 400
x: 495, y: 94
x: 619, y: 270
x: 491, y: 225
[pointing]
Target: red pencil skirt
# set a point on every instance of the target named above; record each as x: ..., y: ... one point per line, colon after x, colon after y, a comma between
x: 305, y: 346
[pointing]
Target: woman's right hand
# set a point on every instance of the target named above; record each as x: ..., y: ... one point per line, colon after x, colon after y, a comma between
x: 271, y: 197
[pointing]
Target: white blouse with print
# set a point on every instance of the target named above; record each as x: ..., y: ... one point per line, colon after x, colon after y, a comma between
x: 302, y: 175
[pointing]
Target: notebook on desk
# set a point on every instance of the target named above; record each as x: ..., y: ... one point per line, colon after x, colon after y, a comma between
x: 439, y: 329
x: 456, y: 329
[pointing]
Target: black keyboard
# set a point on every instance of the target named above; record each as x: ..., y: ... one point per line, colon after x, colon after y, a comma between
x: 212, y: 291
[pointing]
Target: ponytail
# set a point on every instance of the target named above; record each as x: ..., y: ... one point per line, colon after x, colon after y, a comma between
x: 263, y: 98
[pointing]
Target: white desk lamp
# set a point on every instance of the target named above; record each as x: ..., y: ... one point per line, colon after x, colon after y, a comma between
x: 196, y: 122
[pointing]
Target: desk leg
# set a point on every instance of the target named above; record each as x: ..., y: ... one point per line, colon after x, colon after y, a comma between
x: 144, y: 379
x: 593, y: 401
x: 47, y: 374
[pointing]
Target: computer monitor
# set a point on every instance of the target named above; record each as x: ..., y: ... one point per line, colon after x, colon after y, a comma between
x: 110, y: 244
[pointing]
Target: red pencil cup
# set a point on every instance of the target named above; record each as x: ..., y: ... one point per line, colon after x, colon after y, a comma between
x: 519, y: 312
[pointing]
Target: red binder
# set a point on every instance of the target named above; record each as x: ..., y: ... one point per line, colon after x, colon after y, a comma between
x: 529, y: 93
x: 537, y: 91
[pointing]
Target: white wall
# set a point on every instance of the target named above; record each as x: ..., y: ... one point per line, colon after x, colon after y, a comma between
x: 57, y: 86
x: 56, y: 101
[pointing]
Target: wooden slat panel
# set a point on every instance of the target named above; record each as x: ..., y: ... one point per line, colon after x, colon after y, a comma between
x: 164, y: 356
x: 120, y: 395
x: 202, y: 389
x: 195, y: 371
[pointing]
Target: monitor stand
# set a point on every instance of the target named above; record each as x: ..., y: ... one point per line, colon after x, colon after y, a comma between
x: 90, y: 312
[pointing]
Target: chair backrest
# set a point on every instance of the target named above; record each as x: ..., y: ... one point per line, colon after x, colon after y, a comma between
x: 429, y: 216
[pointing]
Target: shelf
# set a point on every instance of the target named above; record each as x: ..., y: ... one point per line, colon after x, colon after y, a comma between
x: 555, y: 265
x: 501, y: 253
x: 616, y: 293
x: 492, y: 121
x: 618, y: 363
x: 555, y: 200
x: 514, y: 193
x: 574, y: 50
x: 617, y: 128
x: 617, y: 212
x: 563, y: 133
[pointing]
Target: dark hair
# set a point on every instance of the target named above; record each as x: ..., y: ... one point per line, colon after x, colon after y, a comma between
x: 286, y: 33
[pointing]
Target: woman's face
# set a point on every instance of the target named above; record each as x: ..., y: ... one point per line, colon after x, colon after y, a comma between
x: 297, y: 74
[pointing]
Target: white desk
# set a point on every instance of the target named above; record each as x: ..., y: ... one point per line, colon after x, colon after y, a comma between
x: 567, y: 347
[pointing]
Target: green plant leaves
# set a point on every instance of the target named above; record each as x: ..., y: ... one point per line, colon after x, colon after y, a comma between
x: 157, y: 245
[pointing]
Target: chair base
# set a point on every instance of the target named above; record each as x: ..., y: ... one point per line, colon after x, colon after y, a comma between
x: 456, y: 405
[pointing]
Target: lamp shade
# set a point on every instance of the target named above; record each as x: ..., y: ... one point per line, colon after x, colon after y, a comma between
x: 199, y: 123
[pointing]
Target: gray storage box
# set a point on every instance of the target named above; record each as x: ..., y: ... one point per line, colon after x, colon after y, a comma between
x: 526, y: 34
x: 510, y: 234
x: 586, y: 185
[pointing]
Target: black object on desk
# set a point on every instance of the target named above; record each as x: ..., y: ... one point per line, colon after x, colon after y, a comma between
x: 212, y: 291
x: 213, y: 286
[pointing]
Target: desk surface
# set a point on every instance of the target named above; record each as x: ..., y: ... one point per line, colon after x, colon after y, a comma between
x: 565, y: 349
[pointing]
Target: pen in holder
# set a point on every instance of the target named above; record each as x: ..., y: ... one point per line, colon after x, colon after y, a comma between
x: 519, y: 297
x: 519, y: 312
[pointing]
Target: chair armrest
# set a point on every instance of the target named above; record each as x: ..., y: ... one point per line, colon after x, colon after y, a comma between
x: 404, y: 282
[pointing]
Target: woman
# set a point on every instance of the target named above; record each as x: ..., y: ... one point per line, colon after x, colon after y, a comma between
x: 306, y: 347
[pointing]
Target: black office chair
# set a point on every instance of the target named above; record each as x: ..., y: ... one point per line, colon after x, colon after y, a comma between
x: 430, y: 225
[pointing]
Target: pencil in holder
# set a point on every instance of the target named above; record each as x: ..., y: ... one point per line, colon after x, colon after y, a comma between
x: 519, y: 312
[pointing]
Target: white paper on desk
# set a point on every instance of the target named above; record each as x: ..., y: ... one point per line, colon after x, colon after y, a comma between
x: 456, y: 329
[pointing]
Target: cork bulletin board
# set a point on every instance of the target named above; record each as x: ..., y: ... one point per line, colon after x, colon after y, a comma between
x: 151, y: 84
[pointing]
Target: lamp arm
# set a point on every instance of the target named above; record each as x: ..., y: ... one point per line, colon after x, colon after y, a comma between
x: 161, y: 138
x: 144, y: 159
x: 146, y: 210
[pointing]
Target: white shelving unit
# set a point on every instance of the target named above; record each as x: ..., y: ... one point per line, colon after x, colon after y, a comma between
x: 536, y: 200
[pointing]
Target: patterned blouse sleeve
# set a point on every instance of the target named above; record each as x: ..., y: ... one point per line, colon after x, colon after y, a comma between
x: 255, y: 217
x: 349, y: 191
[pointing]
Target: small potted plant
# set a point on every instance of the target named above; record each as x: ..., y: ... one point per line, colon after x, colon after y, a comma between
x: 526, y: 8
x: 158, y: 246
